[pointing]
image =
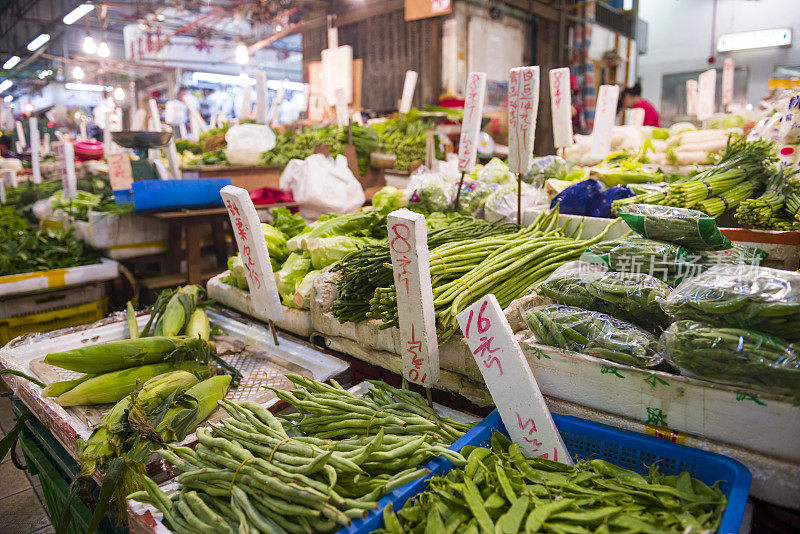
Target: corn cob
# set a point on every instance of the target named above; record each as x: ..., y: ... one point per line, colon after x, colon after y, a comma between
x: 113, y: 386
x: 179, y: 308
x: 198, y: 325
x: 116, y: 355
x: 107, y: 439
x: 59, y: 388
x: 133, y: 327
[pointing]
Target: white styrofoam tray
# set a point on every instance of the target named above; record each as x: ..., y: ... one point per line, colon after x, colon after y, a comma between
x: 15, y: 284
x: 65, y: 424
x: 295, y: 321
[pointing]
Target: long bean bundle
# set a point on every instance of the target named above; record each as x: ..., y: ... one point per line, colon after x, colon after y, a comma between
x: 256, y: 472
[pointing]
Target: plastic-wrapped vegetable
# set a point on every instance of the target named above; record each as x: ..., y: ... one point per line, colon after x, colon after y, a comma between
x: 744, y: 296
x: 690, y: 228
x: 732, y: 356
x: 736, y: 255
x: 668, y: 262
x: 631, y: 297
x: 593, y: 333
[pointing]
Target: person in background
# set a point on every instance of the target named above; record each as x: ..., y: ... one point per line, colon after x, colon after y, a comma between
x: 5, y: 146
x: 632, y: 98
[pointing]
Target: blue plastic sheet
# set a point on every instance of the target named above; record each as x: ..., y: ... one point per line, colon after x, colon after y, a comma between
x: 601, y: 206
x: 576, y: 199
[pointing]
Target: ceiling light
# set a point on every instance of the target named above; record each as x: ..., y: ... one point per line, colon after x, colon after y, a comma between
x: 226, y: 79
x: 44, y: 74
x: 11, y: 62
x: 119, y: 93
x: 5, y: 84
x: 160, y: 16
x: 8, y: 98
x: 38, y: 41
x: 242, y: 55
x: 757, y: 39
x: 103, y: 50
x: 89, y: 46
x: 278, y: 28
x: 77, y: 72
x: 72, y: 86
x: 77, y: 14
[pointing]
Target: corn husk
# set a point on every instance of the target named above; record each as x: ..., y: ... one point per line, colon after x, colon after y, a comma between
x: 198, y: 325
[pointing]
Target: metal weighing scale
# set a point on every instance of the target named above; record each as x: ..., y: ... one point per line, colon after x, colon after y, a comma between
x: 141, y: 142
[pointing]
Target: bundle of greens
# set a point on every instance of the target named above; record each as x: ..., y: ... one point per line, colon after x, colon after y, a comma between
x: 313, y: 471
x: 300, y: 145
x: 766, y: 211
x: 743, y: 296
x: 689, y: 228
x: 668, y: 262
x: 42, y: 250
x: 501, y: 491
x: 593, y: 333
x: 405, y: 138
x: 733, y: 356
x: 632, y: 297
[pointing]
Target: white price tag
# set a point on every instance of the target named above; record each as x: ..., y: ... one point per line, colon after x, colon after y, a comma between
x: 244, y: 112
x: 172, y: 159
x: 510, y: 381
x: 604, y: 115
x: 409, y: 85
x: 250, y: 240
x: 20, y: 135
x: 120, y: 174
x: 261, y: 97
x: 408, y: 246
x: 35, y: 146
x: 727, y: 81
x: 706, y: 94
x: 341, y: 108
x: 471, y: 122
x: 523, y: 107
x: 66, y: 155
x: 691, y: 97
x: 2, y: 192
x: 561, y: 105
x: 82, y: 128
x: 634, y: 117
x: 10, y: 178
x: 155, y: 118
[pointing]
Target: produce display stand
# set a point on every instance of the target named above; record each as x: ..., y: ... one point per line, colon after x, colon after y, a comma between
x: 250, y: 177
x: 17, y: 284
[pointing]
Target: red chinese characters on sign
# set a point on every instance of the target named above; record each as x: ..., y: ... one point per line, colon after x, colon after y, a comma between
x: 484, y: 350
x: 521, y: 112
x: 247, y: 252
x: 557, y: 76
x: 471, y: 102
x: 531, y: 432
x: 415, y: 348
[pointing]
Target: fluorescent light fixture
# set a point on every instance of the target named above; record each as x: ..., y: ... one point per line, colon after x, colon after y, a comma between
x: 77, y: 72
x: 11, y: 62
x: 223, y: 79
x: 72, y: 86
x: 757, y: 39
x: 119, y: 93
x: 44, y: 74
x: 8, y: 98
x: 89, y: 46
x: 242, y: 55
x: 287, y: 85
x: 77, y: 14
x: 103, y: 50
x: 278, y: 28
x: 41, y: 39
x: 5, y: 84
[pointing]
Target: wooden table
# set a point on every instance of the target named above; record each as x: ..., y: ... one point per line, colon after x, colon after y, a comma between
x: 250, y: 177
x: 187, y: 223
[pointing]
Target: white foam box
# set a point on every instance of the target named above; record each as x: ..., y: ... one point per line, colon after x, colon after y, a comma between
x: 296, y: 321
x: 16, y: 284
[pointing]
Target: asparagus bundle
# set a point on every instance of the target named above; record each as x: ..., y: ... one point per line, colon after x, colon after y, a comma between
x: 731, y: 199
x: 758, y: 212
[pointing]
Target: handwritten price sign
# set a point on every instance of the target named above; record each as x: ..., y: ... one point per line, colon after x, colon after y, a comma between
x: 561, y: 106
x: 471, y: 123
x: 66, y: 155
x: 707, y: 93
x: 691, y: 97
x: 409, y: 85
x: 727, y: 81
x: 604, y: 120
x: 408, y: 246
x: 523, y: 106
x: 250, y: 240
x: 37, y: 175
x: 510, y: 380
x: 120, y: 173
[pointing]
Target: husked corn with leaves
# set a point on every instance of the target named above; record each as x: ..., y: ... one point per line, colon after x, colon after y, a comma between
x: 180, y: 307
x: 113, y: 386
x: 107, y: 439
x: 115, y: 355
x: 198, y: 325
x: 55, y: 389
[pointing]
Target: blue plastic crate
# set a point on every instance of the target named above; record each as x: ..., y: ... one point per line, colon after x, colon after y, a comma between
x: 585, y: 439
x: 123, y: 196
x: 171, y: 194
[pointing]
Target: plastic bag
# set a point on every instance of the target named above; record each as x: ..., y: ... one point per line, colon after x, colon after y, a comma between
x: 668, y: 262
x: 743, y: 296
x: 732, y: 356
x: 431, y: 192
x: 575, y: 199
x: 246, y: 143
x: 322, y: 185
x: 593, y: 333
x: 600, y: 205
x: 502, y: 204
x: 690, y: 228
x: 631, y: 297
x: 577, y: 268
x: 495, y: 172
x: 736, y: 255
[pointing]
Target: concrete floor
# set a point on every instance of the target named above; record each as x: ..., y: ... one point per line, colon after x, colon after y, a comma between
x: 22, y: 507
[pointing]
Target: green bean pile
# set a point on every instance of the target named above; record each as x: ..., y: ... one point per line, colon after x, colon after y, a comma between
x: 593, y: 333
x: 742, y: 296
x: 311, y: 472
x: 631, y: 297
x: 733, y: 355
x: 501, y: 491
